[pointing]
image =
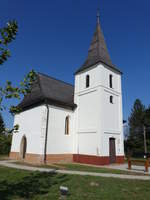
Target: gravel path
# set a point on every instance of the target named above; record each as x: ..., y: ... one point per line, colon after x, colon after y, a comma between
x: 23, y: 167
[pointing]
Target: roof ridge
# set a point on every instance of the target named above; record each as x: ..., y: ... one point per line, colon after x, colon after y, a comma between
x: 55, y: 79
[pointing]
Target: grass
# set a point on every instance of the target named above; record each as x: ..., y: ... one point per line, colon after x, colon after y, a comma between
x: 79, y: 167
x: 23, y: 185
x: 4, y: 157
x: 82, y: 167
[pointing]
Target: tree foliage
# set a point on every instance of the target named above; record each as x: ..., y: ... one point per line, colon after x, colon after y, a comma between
x: 7, y: 35
x: 139, y: 117
x: 5, y: 139
x: 2, y: 125
x: 5, y: 143
x: 9, y: 91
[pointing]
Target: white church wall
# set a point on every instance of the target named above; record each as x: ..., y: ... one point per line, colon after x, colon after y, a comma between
x: 116, y: 78
x: 80, y: 80
x: 111, y: 113
x: 87, y: 113
x: 88, y: 143
x: 105, y: 143
x: 88, y: 123
x: 30, y: 124
x: 58, y: 142
x: 96, y: 118
x: 99, y: 76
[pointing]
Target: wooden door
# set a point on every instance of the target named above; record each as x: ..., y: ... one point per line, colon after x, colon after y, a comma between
x: 112, y: 150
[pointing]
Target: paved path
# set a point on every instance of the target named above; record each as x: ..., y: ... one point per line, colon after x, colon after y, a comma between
x: 122, y: 176
x: 10, y: 163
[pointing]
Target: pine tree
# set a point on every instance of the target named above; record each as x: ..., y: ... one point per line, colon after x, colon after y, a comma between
x: 136, y: 121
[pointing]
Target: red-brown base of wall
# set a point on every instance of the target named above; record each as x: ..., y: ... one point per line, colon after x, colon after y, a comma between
x: 37, y: 158
x: 51, y: 158
x: 31, y: 158
x: 96, y: 160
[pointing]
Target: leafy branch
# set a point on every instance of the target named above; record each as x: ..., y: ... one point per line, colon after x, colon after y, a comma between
x: 7, y: 35
x: 9, y: 91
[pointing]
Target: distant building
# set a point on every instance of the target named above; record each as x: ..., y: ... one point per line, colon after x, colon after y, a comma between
x: 81, y: 123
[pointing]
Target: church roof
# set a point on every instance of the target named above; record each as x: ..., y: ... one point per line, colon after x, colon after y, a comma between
x: 98, y: 52
x: 49, y: 90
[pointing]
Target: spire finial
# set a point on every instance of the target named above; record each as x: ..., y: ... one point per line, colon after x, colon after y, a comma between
x: 98, y: 15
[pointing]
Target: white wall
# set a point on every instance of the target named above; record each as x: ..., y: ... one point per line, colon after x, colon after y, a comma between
x: 111, y: 114
x: 87, y: 119
x: 32, y: 125
x: 116, y: 77
x: 58, y: 142
x: 99, y: 76
x: 96, y: 119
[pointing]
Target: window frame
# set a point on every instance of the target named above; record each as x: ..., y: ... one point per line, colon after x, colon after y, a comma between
x: 87, y: 81
x: 111, y: 99
x: 111, y: 81
x: 67, y: 125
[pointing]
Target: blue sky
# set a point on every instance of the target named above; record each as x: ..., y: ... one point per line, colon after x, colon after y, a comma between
x: 54, y: 38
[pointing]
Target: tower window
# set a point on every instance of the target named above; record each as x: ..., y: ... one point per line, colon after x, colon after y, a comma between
x: 111, y: 99
x: 87, y: 81
x: 67, y: 125
x: 110, y: 81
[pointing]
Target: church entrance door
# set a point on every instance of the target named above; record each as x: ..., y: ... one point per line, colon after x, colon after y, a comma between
x: 23, y: 147
x: 112, y: 150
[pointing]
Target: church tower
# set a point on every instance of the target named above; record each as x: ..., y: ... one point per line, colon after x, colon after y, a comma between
x: 98, y: 116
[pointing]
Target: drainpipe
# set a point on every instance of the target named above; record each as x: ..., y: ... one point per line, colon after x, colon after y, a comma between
x: 46, y: 133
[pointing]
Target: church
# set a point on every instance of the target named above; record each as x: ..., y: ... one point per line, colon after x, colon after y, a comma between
x: 83, y: 123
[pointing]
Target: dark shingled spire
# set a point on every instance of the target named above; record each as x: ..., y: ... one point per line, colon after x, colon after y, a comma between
x: 98, y: 50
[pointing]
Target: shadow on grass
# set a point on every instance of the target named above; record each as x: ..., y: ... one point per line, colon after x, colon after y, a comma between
x: 28, y: 187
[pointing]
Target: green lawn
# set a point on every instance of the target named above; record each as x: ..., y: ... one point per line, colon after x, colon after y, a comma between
x: 87, y: 168
x: 23, y: 185
x: 4, y: 157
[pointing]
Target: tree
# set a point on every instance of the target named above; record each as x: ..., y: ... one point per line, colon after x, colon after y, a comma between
x: 5, y: 139
x: 7, y: 35
x: 140, y: 116
x: 23, y: 88
x: 147, y: 117
x: 2, y: 125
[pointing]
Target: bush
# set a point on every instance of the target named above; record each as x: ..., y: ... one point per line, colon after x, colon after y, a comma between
x: 5, y: 143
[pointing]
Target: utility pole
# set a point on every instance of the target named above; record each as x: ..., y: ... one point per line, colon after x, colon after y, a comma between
x: 145, y: 145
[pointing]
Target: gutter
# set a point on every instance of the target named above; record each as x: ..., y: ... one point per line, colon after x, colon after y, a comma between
x: 46, y: 133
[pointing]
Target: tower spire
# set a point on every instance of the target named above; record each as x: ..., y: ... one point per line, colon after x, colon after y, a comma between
x: 98, y: 50
x: 98, y: 16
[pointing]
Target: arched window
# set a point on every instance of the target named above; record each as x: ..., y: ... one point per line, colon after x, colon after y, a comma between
x: 111, y: 99
x: 87, y: 81
x: 67, y: 125
x: 111, y: 81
